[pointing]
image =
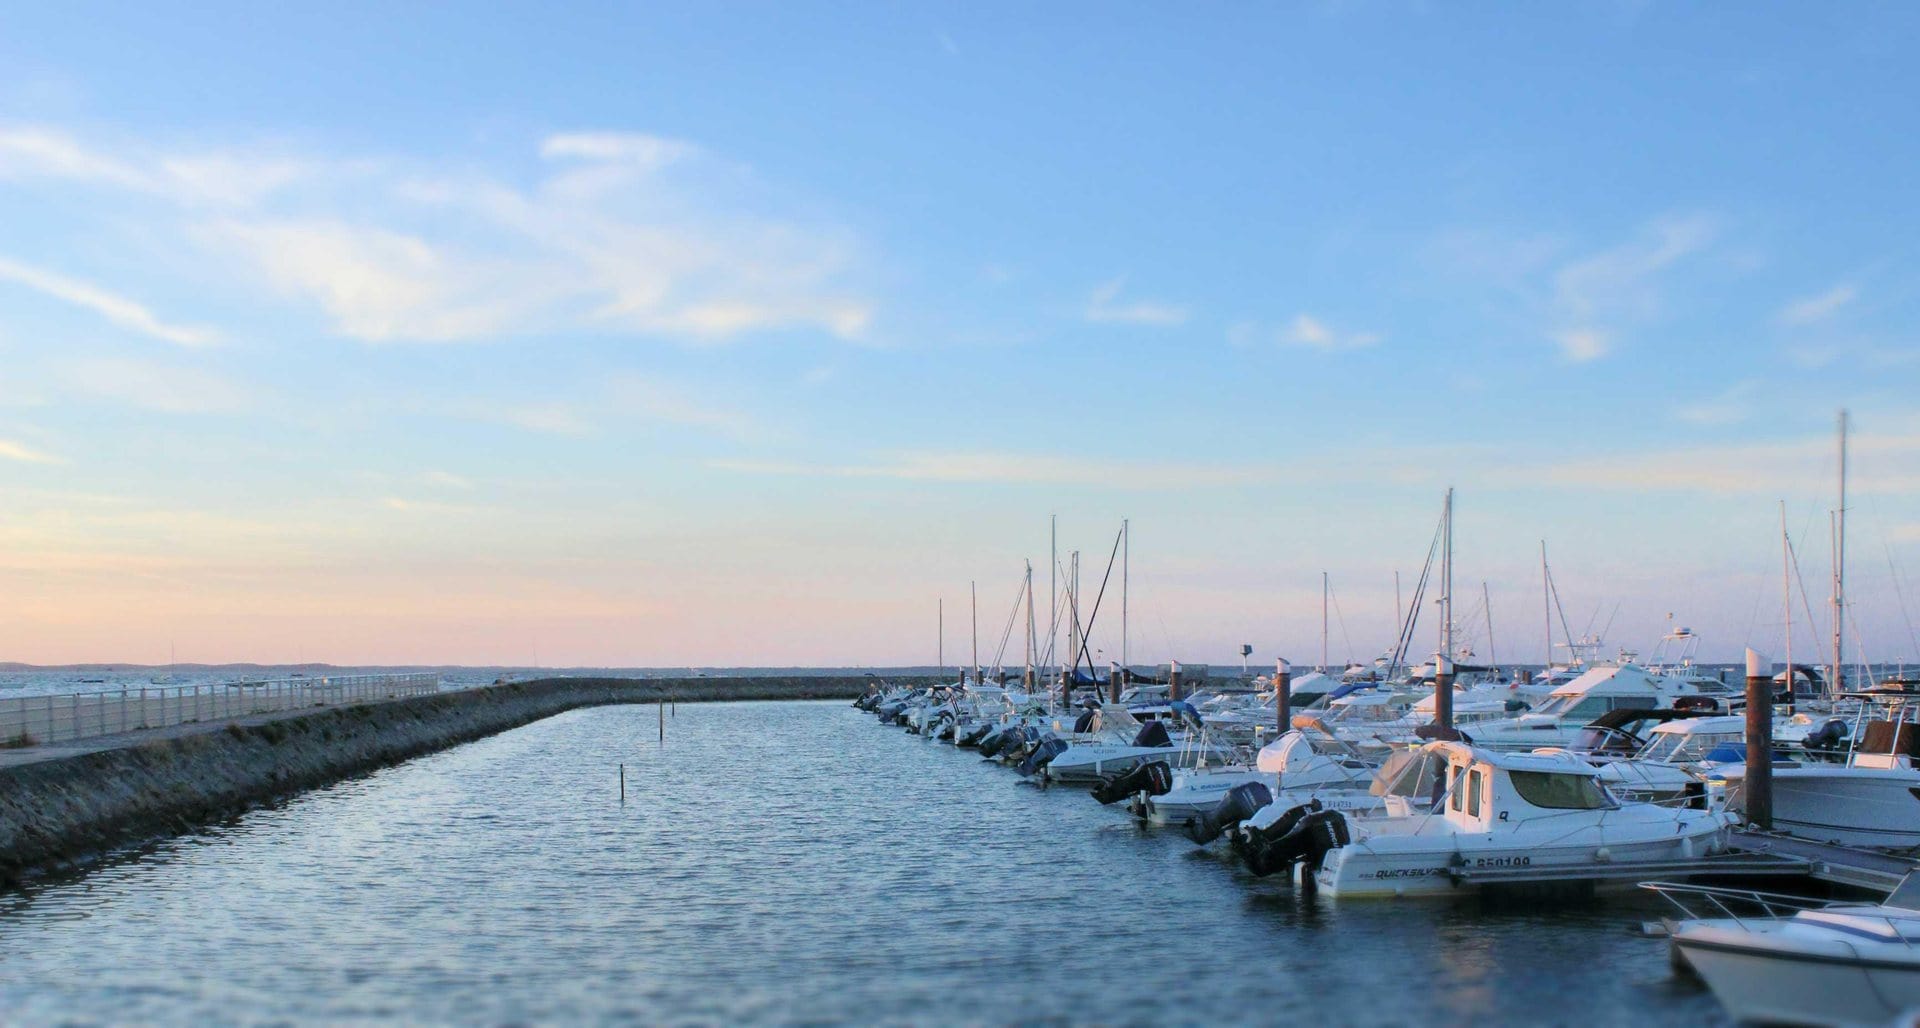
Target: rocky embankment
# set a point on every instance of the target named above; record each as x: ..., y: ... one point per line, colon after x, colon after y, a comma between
x: 65, y: 811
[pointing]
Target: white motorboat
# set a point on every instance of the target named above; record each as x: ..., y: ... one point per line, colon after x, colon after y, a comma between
x: 1602, y: 688
x: 1545, y: 810
x: 1306, y: 759
x: 1872, y: 800
x: 1851, y: 964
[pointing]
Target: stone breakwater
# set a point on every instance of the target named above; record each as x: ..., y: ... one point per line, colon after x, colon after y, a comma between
x: 62, y: 812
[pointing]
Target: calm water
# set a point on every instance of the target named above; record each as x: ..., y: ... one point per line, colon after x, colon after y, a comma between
x: 773, y: 862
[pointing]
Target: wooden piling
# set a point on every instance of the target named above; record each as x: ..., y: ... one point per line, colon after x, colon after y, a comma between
x: 1282, y: 698
x: 662, y: 706
x: 1173, y: 681
x: 1443, y: 692
x: 1759, y: 784
x: 623, y: 784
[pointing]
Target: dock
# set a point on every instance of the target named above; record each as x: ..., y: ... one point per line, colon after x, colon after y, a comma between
x: 1827, y: 862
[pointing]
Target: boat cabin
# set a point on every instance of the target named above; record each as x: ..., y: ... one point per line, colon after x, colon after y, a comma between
x: 1477, y: 789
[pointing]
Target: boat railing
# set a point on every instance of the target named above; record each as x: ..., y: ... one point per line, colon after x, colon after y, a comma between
x: 70, y: 716
x: 1709, y: 902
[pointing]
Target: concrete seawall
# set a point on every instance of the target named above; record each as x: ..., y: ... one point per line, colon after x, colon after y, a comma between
x: 65, y: 811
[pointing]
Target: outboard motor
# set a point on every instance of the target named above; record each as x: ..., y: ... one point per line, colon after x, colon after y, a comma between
x: 1241, y: 802
x: 1023, y: 742
x: 996, y: 739
x: 1085, y: 722
x: 1043, y: 753
x: 1829, y: 737
x: 973, y: 734
x: 1155, y: 778
x: 1305, y: 834
x: 1153, y: 733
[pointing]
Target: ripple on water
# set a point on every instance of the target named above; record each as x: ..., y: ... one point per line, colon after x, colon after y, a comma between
x: 772, y: 863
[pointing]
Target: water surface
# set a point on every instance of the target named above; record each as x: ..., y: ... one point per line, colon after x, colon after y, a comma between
x: 773, y: 862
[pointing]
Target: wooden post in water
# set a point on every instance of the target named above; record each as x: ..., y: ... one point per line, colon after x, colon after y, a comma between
x: 1759, y: 785
x: 1282, y: 698
x: 623, y: 785
x: 1443, y: 692
x: 662, y: 706
x: 1116, y: 680
x: 1173, y: 680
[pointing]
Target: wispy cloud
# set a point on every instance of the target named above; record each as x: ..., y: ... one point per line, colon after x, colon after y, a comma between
x: 18, y: 451
x: 447, y: 480
x: 673, y: 404
x: 1814, y: 309
x: 1018, y: 468
x: 1105, y: 306
x: 619, y: 232
x: 1314, y: 334
x: 126, y: 313
x: 1887, y: 463
x: 1594, y: 295
x: 1732, y: 406
x: 1581, y: 345
x: 548, y: 418
x: 159, y: 387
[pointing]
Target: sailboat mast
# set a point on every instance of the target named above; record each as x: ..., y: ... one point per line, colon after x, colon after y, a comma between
x: 1126, y: 552
x: 1786, y: 589
x: 1840, y: 561
x: 942, y: 622
x: 1493, y: 652
x: 1446, y: 584
x: 1323, y: 622
x: 1053, y: 591
x: 974, y: 589
x: 1027, y: 682
x: 1546, y: 605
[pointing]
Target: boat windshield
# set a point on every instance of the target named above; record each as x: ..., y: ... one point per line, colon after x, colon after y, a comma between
x: 1678, y: 747
x: 1555, y: 791
x: 1409, y: 773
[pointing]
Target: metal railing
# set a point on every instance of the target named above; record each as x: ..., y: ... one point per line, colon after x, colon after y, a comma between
x: 65, y: 717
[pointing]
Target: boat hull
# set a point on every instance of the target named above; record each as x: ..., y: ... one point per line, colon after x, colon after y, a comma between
x: 1388, y: 865
x: 1768, y: 977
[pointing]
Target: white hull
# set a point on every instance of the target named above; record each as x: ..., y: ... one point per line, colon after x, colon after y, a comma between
x: 1765, y: 977
x: 1848, y: 806
x: 1090, y: 764
x: 1399, y: 863
x: 1198, y: 794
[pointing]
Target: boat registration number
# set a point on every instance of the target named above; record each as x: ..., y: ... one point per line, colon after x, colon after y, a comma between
x: 1503, y: 862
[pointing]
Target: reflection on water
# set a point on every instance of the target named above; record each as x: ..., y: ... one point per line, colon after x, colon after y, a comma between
x: 773, y: 862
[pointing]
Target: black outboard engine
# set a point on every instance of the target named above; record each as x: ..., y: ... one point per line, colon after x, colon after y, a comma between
x: 1043, y: 752
x: 1830, y: 737
x: 996, y: 739
x: 1241, y: 802
x: 973, y: 734
x: 1084, y: 723
x: 1022, y: 743
x: 1153, y: 733
x: 1155, y: 778
x: 1305, y: 834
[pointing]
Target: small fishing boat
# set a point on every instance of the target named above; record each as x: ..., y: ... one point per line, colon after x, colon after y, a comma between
x: 1492, y: 810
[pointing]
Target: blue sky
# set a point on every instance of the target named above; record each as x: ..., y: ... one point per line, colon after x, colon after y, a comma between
x: 687, y: 334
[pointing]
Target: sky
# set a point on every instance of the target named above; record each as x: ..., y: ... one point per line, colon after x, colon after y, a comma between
x: 693, y: 334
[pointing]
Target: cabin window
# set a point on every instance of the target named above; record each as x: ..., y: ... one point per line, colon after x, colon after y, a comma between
x: 1458, y: 772
x: 1473, y: 794
x: 1589, y: 708
x: 1559, y: 791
